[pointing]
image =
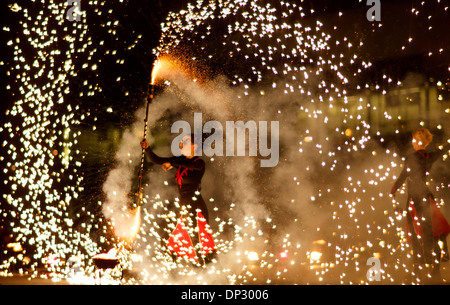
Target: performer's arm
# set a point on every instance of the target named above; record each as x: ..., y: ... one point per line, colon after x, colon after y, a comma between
x: 196, y: 164
x: 153, y: 157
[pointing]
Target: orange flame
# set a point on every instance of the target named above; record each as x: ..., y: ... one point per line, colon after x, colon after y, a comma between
x: 135, y: 224
x: 126, y: 226
x: 111, y: 254
x: 171, y: 64
x: 156, y: 67
x: 159, y: 66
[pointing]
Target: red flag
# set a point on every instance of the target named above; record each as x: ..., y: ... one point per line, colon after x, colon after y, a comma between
x: 204, y: 234
x: 180, y: 242
x: 439, y: 223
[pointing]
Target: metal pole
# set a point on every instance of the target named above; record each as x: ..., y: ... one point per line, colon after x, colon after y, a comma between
x: 141, y: 169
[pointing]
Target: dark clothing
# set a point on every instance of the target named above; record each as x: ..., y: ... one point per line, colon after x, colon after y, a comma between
x: 188, y: 177
x: 415, y: 171
x: 190, y: 171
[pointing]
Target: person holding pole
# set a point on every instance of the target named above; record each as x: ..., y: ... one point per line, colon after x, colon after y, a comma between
x: 189, y: 172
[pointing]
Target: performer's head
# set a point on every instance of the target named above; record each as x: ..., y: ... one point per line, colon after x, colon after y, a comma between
x: 188, y: 146
x: 421, y: 138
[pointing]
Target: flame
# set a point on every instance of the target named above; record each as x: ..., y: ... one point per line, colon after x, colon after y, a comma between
x: 156, y: 68
x: 126, y: 226
x: 111, y: 254
x: 175, y: 64
x: 160, y: 65
x: 135, y: 224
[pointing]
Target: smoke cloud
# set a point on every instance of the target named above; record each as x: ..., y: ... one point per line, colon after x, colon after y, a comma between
x: 324, y: 186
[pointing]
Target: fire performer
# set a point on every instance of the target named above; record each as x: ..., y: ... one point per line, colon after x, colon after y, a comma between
x: 190, y: 170
x: 425, y: 223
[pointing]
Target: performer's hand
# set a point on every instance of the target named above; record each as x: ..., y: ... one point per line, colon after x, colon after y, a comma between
x: 166, y: 166
x: 144, y: 144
